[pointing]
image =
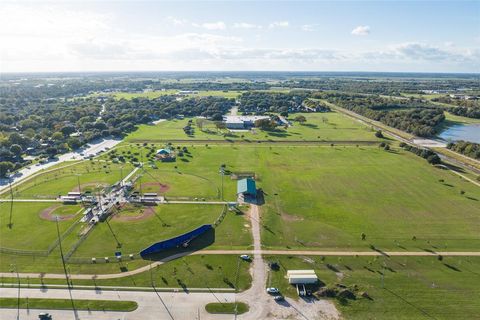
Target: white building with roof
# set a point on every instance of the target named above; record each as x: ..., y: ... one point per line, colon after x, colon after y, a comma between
x: 242, y: 122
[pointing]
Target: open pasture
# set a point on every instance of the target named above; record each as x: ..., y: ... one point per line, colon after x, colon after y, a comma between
x: 326, y: 197
x: 330, y: 126
x: 412, y: 287
x: 174, y: 184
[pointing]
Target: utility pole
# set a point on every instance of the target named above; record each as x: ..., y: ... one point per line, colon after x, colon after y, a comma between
x: 78, y: 182
x: 14, y: 269
x: 383, y: 273
x: 65, y: 267
x: 222, y: 173
x: 121, y: 176
x: 11, y: 199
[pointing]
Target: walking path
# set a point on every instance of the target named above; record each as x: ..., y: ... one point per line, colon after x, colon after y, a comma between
x: 459, y: 174
x: 257, y: 252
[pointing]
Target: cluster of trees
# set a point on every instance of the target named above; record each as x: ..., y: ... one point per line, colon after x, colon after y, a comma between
x: 464, y: 108
x: 411, y: 115
x: 261, y: 102
x: 267, y: 124
x: 381, y: 84
x: 45, y: 127
x: 473, y: 112
x: 470, y: 149
x: 427, y: 154
x: 144, y: 110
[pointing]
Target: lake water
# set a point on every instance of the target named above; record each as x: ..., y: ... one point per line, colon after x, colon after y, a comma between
x: 467, y: 132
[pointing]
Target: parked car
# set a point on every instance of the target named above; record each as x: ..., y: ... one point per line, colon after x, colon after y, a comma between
x: 245, y: 257
x: 45, y: 316
x: 278, y: 298
x: 273, y: 290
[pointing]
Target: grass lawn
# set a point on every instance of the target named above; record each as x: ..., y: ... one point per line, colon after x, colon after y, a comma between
x: 197, y: 271
x: 329, y: 126
x: 166, y: 221
x: 414, y: 287
x: 325, y: 197
x: 149, y: 95
x: 159, y: 93
x: 66, y: 304
x: 29, y: 231
x: 344, y: 191
x: 92, y: 175
x: 228, y: 308
x: 173, y: 184
x: 390, y: 196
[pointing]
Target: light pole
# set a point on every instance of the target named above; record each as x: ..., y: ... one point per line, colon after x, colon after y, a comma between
x: 14, y: 269
x: 121, y: 176
x: 65, y: 267
x: 78, y: 182
x: 222, y: 173
x: 11, y: 199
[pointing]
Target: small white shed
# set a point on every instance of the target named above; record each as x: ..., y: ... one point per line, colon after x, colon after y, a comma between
x: 301, y: 276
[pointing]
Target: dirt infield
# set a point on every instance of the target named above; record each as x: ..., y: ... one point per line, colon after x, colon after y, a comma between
x: 147, y: 212
x: 90, y: 184
x: 162, y: 188
x: 47, y: 214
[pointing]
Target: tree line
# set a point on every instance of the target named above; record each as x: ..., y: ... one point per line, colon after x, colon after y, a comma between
x: 470, y: 149
x: 411, y: 115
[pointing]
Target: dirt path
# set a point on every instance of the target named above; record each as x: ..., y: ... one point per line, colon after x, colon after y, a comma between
x: 459, y: 174
x: 262, y: 305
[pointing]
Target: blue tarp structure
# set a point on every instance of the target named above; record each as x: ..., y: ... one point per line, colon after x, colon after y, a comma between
x: 175, y: 242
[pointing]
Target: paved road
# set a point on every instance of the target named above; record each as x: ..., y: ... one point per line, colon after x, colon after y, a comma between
x: 75, y: 155
x: 151, y: 305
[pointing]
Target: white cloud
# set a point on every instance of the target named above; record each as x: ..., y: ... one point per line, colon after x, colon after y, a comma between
x: 219, y: 25
x: 279, y: 24
x: 309, y: 27
x: 245, y: 25
x: 49, y: 38
x: 361, y: 31
x: 177, y: 21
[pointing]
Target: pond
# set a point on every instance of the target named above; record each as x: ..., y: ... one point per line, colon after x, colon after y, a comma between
x: 467, y: 132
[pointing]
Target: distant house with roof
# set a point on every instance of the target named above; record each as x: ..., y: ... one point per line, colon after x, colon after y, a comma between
x: 242, y: 122
x: 247, y: 190
x: 165, y: 155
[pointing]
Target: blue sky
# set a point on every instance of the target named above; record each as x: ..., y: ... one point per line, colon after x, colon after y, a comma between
x: 430, y: 36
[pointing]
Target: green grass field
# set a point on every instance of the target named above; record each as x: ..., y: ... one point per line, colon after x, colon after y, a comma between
x: 414, y: 287
x: 29, y: 231
x: 329, y: 126
x: 92, y: 176
x: 197, y: 271
x: 325, y: 197
x: 66, y: 304
x: 227, y: 308
x: 159, y: 93
x: 165, y: 222
x: 173, y: 184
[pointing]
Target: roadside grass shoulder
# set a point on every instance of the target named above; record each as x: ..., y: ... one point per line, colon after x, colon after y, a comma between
x: 66, y: 304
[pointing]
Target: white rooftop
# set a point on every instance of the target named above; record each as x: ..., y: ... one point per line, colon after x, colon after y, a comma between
x: 241, y: 119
